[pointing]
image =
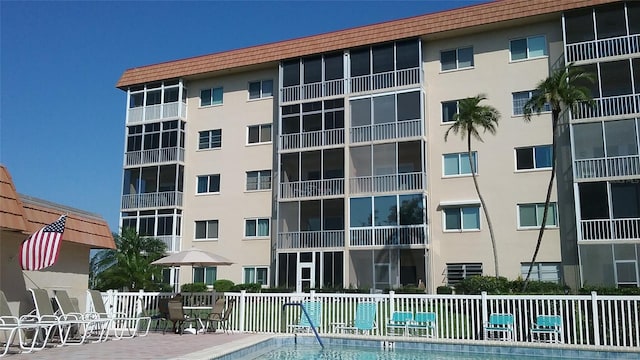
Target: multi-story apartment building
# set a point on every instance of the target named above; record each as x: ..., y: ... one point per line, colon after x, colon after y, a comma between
x: 322, y: 161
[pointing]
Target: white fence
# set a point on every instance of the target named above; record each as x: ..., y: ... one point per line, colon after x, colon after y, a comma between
x: 588, y: 320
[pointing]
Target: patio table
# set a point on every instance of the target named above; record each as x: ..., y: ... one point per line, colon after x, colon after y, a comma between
x: 190, y: 329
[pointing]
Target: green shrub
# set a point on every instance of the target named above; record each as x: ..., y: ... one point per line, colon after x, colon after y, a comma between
x: 249, y: 287
x: 278, y: 290
x: 601, y: 290
x: 446, y: 290
x: 538, y: 287
x: 476, y: 284
x: 223, y: 285
x: 406, y: 290
x: 194, y: 287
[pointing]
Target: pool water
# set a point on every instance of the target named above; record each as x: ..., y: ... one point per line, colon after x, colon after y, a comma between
x: 297, y: 352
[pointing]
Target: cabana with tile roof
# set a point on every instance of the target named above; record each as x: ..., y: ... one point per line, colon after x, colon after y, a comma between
x: 21, y: 216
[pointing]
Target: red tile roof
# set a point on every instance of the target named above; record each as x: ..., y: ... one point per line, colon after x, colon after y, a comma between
x: 476, y: 15
x: 27, y: 215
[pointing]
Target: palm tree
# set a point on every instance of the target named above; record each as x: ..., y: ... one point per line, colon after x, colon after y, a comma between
x: 470, y: 117
x: 128, y: 266
x: 564, y: 88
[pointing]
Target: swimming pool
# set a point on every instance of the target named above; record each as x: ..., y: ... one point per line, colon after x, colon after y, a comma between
x: 304, y: 347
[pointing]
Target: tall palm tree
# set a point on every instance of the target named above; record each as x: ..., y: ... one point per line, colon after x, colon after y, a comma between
x: 472, y: 116
x: 128, y: 266
x: 564, y: 88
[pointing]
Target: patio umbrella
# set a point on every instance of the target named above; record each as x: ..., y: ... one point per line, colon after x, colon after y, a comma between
x: 193, y: 257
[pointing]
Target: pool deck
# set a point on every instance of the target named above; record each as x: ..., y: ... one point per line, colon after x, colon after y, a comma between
x: 153, y: 346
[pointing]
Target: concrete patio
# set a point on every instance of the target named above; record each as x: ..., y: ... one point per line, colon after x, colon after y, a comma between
x: 153, y: 346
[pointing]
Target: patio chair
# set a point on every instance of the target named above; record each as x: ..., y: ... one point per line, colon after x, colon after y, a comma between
x: 500, y: 324
x: 215, y: 319
x: 63, y: 326
x: 314, y: 309
x: 424, y: 324
x: 179, y: 318
x: 547, y: 328
x: 19, y: 326
x: 91, y: 324
x: 398, y: 323
x: 120, y: 321
x: 163, y: 312
x: 364, y: 321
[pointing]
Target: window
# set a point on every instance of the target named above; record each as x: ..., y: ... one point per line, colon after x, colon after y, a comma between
x: 259, y: 180
x: 259, y: 134
x: 210, y: 139
x: 209, y: 184
x: 462, y: 218
x: 521, y: 98
x: 449, y: 110
x: 207, y: 230
x: 256, y: 227
x: 456, y: 59
x: 535, y: 157
x: 530, y: 215
x: 458, y: 163
x: 260, y: 89
x: 528, y: 48
x: 210, y: 97
x: 256, y: 275
x: 541, y: 272
x: 458, y: 272
x: 205, y: 275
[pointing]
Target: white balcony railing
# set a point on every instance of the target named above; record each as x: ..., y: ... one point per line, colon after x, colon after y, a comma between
x: 156, y: 112
x: 311, y: 239
x: 312, y: 139
x: 609, y: 106
x: 151, y: 156
x: 589, y: 322
x: 173, y: 242
x: 597, y: 49
x: 149, y: 200
x: 610, y: 229
x: 398, y: 78
x: 388, y: 236
x: 311, y: 188
x: 619, y: 166
x: 384, y: 131
x: 385, y: 183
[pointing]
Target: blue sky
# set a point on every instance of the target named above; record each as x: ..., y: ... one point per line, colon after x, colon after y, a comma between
x: 61, y: 117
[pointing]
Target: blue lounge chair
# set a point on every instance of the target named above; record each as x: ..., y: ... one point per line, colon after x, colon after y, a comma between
x: 424, y: 324
x: 314, y: 309
x: 500, y: 324
x: 547, y: 328
x: 398, y: 323
x: 364, y: 322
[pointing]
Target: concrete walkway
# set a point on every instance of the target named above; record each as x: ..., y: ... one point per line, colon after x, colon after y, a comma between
x: 152, y: 346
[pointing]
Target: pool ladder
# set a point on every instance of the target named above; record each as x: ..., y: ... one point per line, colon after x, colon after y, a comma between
x: 313, y: 327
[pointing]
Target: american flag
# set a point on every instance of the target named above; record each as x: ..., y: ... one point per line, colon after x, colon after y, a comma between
x: 41, y: 249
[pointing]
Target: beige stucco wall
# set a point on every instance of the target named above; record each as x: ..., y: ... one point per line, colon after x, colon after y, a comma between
x: 233, y: 204
x: 70, y: 273
x: 502, y: 187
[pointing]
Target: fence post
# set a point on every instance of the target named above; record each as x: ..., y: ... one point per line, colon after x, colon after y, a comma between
x: 596, y: 320
x: 485, y: 309
x: 392, y: 304
x: 242, y: 307
x: 140, y: 303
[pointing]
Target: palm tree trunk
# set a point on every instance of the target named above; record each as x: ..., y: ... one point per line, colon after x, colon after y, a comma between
x: 556, y: 116
x: 484, y: 205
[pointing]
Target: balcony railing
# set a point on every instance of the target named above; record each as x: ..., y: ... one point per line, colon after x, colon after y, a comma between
x: 384, y: 183
x: 386, y: 80
x: 610, y: 229
x: 311, y: 239
x: 607, y: 167
x: 384, y: 131
x: 151, y: 156
x: 312, y: 139
x: 155, y: 112
x: 388, y: 236
x: 173, y: 242
x: 311, y: 188
x: 621, y: 105
x: 597, y: 49
x: 151, y: 200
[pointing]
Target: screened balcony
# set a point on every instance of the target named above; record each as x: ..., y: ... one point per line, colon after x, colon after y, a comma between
x: 609, y: 211
x: 151, y: 200
x: 156, y: 112
x: 311, y: 224
x: 388, y: 236
x: 173, y: 242
x: 312, y: 174
x: 312, y: 139
x: 603, y: 48
x: 610, y: 229
x: 622, y: 166
x: 155, y: 101
x: 152, y: 156
x: 312, y: 124
x: 311, y: 188
x: 311, y: 239
x: 621, y: 105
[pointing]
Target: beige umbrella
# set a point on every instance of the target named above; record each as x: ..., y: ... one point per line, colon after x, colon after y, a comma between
x: 193, y: 257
